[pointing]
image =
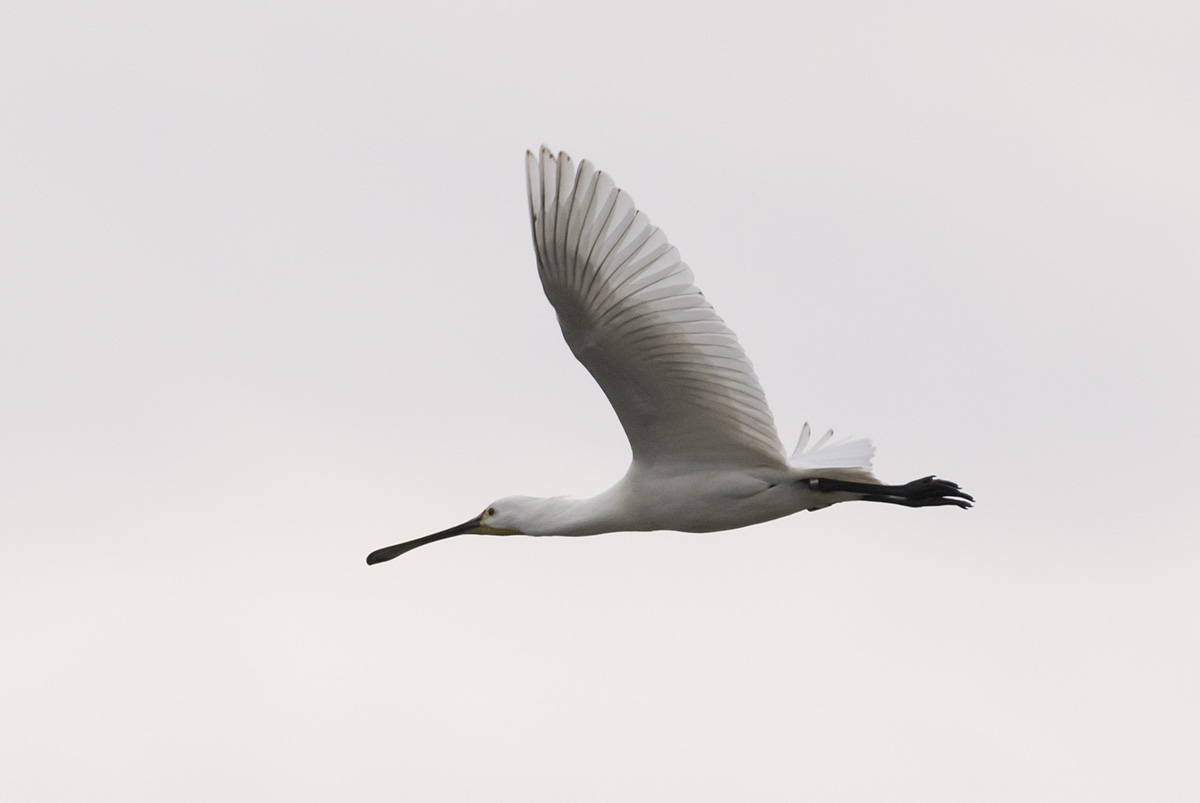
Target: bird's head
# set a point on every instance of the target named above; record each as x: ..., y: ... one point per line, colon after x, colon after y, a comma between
x: 502, y: 517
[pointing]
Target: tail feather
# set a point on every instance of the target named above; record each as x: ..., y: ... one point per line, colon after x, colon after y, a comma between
x: 845, y: 453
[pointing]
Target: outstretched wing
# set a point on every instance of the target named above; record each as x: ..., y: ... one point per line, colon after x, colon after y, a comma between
x: 672, y: 370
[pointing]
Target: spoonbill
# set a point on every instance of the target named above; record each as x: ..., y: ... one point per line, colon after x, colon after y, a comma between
x: 706, y: 455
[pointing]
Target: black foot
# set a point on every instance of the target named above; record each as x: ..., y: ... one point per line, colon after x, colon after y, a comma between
x: 925, y: 492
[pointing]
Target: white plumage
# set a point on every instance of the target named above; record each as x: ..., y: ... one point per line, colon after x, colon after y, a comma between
x: 672, y: 370
x: 706, y: 455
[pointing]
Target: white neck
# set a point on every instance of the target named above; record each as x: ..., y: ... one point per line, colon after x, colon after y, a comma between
x: 562, y: 515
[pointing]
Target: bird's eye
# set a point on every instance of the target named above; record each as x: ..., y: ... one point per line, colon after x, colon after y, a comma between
x: 491, y: 511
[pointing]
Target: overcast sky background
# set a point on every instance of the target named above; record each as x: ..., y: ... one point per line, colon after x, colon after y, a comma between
x: 268, y: 302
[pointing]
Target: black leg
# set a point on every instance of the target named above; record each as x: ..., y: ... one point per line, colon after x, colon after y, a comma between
x: 925, y: 492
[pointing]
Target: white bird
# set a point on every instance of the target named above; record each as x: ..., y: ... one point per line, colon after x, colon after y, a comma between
x: 706, y: 455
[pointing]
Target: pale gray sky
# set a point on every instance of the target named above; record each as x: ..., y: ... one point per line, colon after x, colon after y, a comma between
x: 268, y: 302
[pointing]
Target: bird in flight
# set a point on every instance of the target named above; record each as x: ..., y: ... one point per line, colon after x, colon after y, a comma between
x: 706, y: 455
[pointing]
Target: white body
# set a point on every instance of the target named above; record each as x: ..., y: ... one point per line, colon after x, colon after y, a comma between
x: 698, y: 501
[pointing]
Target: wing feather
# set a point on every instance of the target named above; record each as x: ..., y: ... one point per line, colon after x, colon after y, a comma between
x: 675, y: 374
